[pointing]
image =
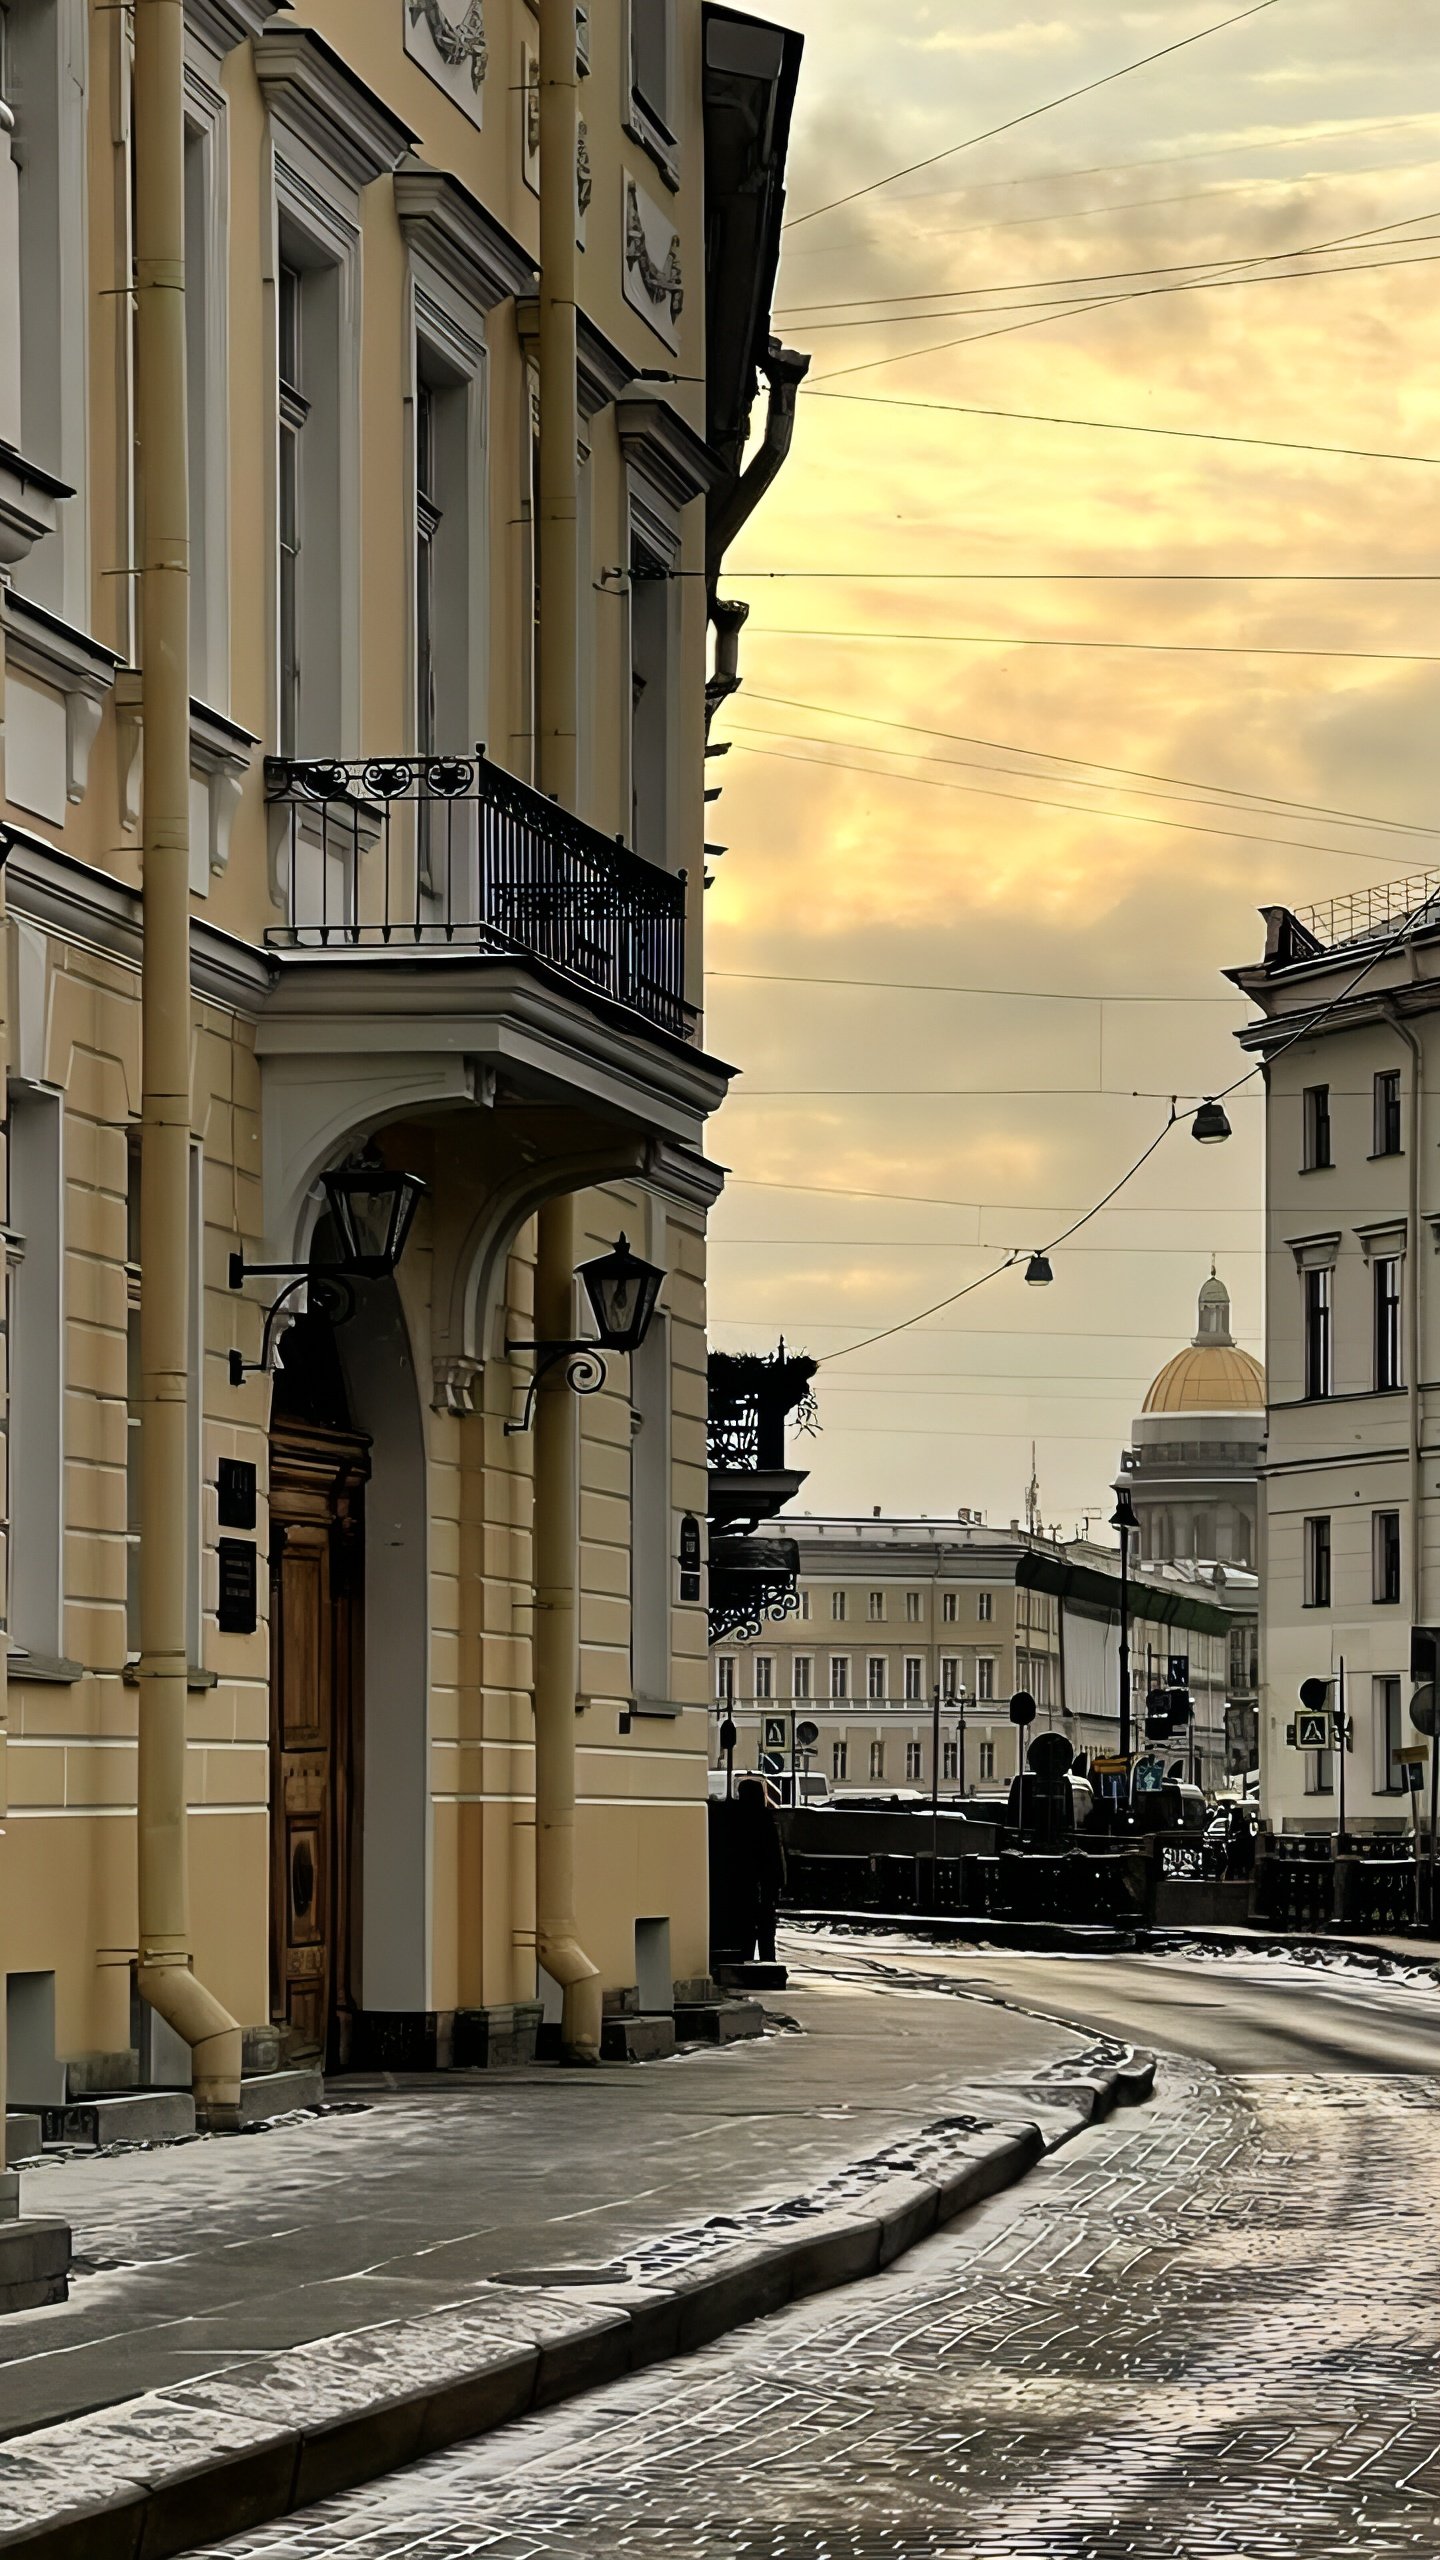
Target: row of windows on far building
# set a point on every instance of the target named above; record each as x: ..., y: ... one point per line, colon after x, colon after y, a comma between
x: 1386, y: 1301
x: 875, y: 1606
x: 1384, y: 1560
x: 877, y: 1677
x: 883, y: 1768
x: 1386, y: 1137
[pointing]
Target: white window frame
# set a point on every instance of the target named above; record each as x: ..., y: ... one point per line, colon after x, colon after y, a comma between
x: 914, y: 1762
x: 875, y: 1608
x: 987, y: 1758
x: 949, y: 1607
x: 802, y: 1676
x: 53, y: 151
x: 451, y: 334
x: 837, y: 1606
x: 913, y: 1612
x: 725, y: 1679
x: 985, y: 1607
x: 764, y: 1676
x: 1387, y: 1720
x: 839, y: 1675
x: 877, y: 1758
x: 985, y: 1675
x: 207, y: 325
x: 877, y: 1662
x: 35, y: 1451
x: 914, y: 1677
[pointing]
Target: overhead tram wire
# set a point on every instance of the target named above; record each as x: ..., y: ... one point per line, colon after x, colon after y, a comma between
x: 1031, y: 800
x: 1049, y: 755
x: 926, y: 987
x: 1066, y: 301
x: 1168, y: 648
x: 1236, y: 804
x: 1086, y: 90
x: 1109, y: 301
x: 1115, y: 275
x: 1113, y: 426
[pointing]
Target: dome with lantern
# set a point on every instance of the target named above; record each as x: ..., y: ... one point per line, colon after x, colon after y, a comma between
x: 1212, y: 1375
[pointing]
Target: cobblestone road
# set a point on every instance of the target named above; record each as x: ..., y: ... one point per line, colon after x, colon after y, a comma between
x: 1207, y: 2332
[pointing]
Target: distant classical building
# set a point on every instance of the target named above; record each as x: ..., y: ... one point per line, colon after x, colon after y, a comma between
x: 887, y: 1611
x: 1193, y: 1472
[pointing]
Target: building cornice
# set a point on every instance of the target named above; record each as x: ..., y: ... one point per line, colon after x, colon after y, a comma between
x: 222, y: 24
x: 53, y: 889
x: 657, y: 441
x: 312, y: 91
x: 452, y: 230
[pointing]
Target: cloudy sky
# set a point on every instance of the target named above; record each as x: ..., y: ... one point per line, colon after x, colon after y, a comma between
x: 936, y: 825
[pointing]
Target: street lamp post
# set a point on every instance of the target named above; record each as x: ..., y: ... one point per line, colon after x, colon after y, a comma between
x: 1123, y: 1520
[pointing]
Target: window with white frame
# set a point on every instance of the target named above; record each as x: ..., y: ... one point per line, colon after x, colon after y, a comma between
x: 875, y: 1607
x: 839, y: 1759
x: 1319, y: 1773
x: 839, y: 1675
x: 985, y: 1606
x: 877, y: 1759
x: 877, y: 1677
x: 764, y: 1675
x: 317, y: 358
x: 1316, y: 1536
x: 913, y: 1761
x: 987, y: 1759
x: 801, y: 1676
x: 46, y: 46
x: 651, y: 669
x: 1385, y: 1557
x: 949, y: 1607
x: 1319, y: 1308
x: 804, y: 1604
x: 950, y: 1759
x: 950, y: 1683
x: 1385, y: 1283
x: 206, y: 187
x: 725, y: 1678
x: 35, y: 1326
x: 912, y: 1607
x: 837, y: 1604
x: 914, y: 1676
x: 1390, y: 1736
x: 985, y: 1675
x: 1387, y: 1131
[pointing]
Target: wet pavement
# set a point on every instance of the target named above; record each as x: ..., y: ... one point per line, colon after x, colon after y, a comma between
x: 1208, y: 2328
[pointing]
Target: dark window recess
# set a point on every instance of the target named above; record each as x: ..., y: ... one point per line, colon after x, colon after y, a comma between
x: 1387, y: 1112
x: 1386, y: 1537
x: 1387, y: 1321
x: 239, y: 1588
x: 1319, y: 1306
x: 235, y: 1485
x: 1317, y: 1128
x: 1317, y: 1564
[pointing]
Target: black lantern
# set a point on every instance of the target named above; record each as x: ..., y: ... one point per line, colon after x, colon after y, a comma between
x: 622, y: 1291
x: 1211, y: 1124
x: 373, y: 1211
x: 1038, y: 1274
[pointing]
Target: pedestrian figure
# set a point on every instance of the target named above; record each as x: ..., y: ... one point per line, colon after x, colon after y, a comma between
x: 760, y: 1859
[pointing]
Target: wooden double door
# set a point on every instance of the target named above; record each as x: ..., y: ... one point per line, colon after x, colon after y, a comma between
x: 317, y: 1577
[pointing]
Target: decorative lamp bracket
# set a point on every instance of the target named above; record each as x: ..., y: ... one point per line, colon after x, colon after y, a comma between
x: 585, y: 1374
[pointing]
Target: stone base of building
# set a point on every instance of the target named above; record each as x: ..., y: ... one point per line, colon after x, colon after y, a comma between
x: 34, y: 2253
x: 445, y: 2039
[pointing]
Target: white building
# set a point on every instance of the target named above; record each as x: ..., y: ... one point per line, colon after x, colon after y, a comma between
x: 1350, y: 1514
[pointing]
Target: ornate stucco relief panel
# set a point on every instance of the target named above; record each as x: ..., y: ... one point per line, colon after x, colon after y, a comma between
x: 447, y: 38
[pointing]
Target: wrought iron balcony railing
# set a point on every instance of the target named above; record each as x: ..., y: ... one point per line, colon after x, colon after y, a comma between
x: 447, y: 853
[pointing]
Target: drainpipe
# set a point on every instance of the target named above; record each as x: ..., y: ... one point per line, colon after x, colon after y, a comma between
x: 785, y: 370
x: 166, y: 1975
x: 557, y: 1458
x: 557, y: 1644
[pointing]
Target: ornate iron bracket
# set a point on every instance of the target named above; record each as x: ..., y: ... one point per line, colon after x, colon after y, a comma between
x: 585, y: 1374
x: 330, y: 1296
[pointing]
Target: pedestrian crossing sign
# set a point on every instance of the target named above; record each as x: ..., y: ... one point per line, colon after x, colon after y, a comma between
x: 1312, y: 1729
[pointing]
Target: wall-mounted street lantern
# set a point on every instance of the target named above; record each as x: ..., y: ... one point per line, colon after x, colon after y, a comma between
x: 372, y: 1212
x: 622, y: 1291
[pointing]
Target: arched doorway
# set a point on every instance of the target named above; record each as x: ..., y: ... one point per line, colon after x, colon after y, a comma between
x: 319, y: 1467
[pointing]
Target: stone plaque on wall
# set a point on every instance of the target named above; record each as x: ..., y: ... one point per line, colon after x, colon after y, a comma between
x: 447, y: 38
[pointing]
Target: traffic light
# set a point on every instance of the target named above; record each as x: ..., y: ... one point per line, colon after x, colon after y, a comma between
x: 1157, y: 1715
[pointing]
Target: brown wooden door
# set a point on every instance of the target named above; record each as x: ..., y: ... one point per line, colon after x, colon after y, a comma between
x: 316, y: 1580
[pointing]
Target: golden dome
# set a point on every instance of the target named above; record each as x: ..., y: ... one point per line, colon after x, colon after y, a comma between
x: 1214, y: 1375
x: 1212, y: 1378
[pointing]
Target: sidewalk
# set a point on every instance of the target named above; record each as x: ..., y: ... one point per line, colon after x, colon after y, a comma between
x: 257, y: 2319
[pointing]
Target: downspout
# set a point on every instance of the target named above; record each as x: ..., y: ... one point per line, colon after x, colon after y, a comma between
x: 1416, y: 1578
x: 165, y: 1968
x: 557, y: 1459
x: 785, y: 370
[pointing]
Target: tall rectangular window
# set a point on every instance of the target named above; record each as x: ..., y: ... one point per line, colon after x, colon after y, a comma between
x: 1319, y: 1332
x: 914, y: 1676
x: 877, y: 1759
x: 651, y: 668
x: 912, y: 1607
x: 800, y: 1676
x: 839, y: 1675
x: 1390, y: 1736
x: 1317, y: 1563
x: 1385, y: 1556
x: 985, y: 1607
x: 294, y: 410
x: 764, y: 1675
x: 804, y: 1604
x: 428, y: 513
x: 1386, y: 1284
x: 913, y: 1762
x: 985, y: 1675
x: 650, y: 35
x: 36, y: 1318
x: 1387, y: 1112
x: 839, y: 1760
x: 949, y: 1607
x: 725, y: 1678
x: 1317, y: 1157
x: 837, y: 1604
x: 877, y: 1677
x: 950, y: 1676
x: 950, y: 1759
x: 987, y: 1759
x: 875, y: 1606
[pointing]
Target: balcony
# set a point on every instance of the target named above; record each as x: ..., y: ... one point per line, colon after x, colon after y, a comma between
x: 752, y: 1396
x: 450, y: 854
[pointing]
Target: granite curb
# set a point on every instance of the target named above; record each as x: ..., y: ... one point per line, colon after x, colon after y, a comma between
x: 147, y: 2478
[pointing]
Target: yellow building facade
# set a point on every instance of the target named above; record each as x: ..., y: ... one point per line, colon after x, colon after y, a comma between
x: 406, y: 956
